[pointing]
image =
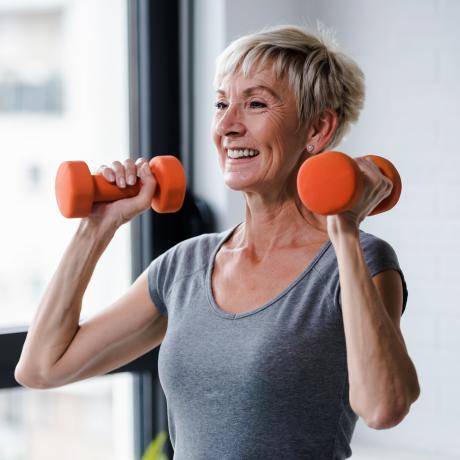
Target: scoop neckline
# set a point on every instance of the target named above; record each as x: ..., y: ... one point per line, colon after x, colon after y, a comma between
x: 227, y: 315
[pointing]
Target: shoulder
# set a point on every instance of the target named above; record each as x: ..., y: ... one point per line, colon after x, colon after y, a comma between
x: 380, y: 256
x: 191, y: 254
x: 375, y: 249
x: 370, y: 240
x: 201, y: 245
x: 187, y: 258
x: 379, y: 253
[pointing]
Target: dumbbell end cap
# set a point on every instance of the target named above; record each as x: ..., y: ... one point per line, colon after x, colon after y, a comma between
x: 74, y: 189
x: 171, y: 184
x: 329, y: 183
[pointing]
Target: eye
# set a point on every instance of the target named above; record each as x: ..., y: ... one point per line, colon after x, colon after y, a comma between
x: 257, y: 105
x: 219, y: 105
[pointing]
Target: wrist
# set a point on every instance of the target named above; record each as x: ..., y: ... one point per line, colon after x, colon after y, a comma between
x: 97, y: 230
x: 339, y: 227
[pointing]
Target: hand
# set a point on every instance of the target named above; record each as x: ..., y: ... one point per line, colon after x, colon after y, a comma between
x: 123, y: 175
x: 376, y: 188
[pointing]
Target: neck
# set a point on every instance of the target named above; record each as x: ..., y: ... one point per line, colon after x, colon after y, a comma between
x: 278, y: 224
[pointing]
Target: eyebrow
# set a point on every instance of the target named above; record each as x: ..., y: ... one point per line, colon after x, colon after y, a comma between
x: 253, y: 89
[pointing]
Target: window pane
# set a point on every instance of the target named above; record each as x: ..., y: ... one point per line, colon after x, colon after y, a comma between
x: 84, y: 420
x: 63, y: 96
x: 30, y: 61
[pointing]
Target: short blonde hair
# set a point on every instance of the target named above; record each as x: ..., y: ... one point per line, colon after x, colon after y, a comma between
x: 320, y: 76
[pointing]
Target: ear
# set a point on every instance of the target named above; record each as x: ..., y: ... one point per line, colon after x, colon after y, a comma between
x: 321, y: 132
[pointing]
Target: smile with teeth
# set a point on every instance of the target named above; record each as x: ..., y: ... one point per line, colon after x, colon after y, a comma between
x: 242, y: 153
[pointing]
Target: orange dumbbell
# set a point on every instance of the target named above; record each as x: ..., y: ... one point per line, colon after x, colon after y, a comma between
x: 331, y: 183
x: 77, y: 189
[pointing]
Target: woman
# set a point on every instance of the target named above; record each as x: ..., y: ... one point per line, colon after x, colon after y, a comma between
x: 278, y: 333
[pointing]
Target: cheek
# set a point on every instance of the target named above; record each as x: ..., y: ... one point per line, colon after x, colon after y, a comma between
x: 277, y: 135
x: 283, y: 142
x: 277, y: 126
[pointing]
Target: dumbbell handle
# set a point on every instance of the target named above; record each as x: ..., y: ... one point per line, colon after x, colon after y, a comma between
x: 107, y: 192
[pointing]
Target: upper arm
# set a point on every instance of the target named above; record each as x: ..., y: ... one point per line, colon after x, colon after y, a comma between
x: 127, y: 329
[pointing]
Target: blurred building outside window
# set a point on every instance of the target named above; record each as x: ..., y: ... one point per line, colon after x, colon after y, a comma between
x: 63, y: 96
x: 30, y: 61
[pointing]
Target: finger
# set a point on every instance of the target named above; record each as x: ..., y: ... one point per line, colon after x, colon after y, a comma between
x: 373, y: 166
x: 130, y: 171
x: 100, y: 169
x: 370, y: 169
x: 144, y: 199
x: 119, y: 171
x: 389, y: 185
x: 107, y: 172
x: 366, y: 163
x: 139, y: 162
x: 149, y: 183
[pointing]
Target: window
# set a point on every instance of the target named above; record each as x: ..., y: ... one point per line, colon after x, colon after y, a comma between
x: 91, y: 419
x: 63, y: 96
x: 69, y: 41
x: 30, y: 60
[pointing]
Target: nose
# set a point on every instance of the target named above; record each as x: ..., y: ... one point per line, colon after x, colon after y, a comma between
x: 230, y: 122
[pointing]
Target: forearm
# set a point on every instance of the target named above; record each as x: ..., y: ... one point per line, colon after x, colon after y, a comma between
x: 382, y: 376
x: 57, y: 318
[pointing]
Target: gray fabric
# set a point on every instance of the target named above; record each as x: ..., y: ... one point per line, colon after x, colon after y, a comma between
x: 268, y: 384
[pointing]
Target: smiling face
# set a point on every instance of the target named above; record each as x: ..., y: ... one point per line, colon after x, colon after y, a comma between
x: 256, y: 133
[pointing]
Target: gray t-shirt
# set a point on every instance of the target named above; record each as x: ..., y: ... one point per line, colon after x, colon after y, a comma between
x: 268, y: 384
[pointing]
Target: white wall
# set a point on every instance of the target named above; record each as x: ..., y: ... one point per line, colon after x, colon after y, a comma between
x: 409, y: 54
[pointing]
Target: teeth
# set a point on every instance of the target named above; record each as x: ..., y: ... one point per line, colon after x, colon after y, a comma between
x: 242, y: 153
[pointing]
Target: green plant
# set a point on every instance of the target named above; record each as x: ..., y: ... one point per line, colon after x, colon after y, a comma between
x: 153, y: 451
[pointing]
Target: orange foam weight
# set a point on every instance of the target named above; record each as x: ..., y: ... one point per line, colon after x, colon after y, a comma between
x: 74, y: 189
x: 329, y: 183
x: 332, y: 182
x: 170, y: 193
x: 77, y: 190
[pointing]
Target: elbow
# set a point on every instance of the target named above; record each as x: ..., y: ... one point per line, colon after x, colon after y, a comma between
x: 28, y: 379
x: 391, y: 415
x: 385, y: 420
x: 389, y: 411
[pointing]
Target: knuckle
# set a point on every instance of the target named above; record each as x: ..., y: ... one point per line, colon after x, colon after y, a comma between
x: 129, y: 163
x: 117, y: 166
x: 100, y: 169
x: 139, y: 163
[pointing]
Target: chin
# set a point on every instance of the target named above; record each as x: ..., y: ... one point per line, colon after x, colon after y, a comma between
x: 238, y: 184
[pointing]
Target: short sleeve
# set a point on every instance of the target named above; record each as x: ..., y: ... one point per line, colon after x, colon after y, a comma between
x: 381, y: 256
x: 156, y: 277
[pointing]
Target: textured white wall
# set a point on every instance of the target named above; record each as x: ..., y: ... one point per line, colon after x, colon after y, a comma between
x: 409, y: 53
